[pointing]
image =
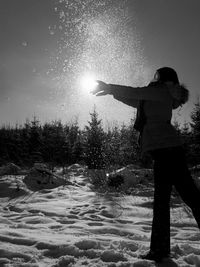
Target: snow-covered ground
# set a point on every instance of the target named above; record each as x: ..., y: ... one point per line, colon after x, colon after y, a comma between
x: 77, y: 226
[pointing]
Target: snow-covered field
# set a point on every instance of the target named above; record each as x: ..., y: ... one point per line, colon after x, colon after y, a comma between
x: 78, y: 226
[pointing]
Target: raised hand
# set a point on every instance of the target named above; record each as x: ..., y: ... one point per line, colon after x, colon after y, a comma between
x: 101, y: 89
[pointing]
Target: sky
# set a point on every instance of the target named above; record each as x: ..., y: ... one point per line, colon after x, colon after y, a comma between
x: 47, y: 47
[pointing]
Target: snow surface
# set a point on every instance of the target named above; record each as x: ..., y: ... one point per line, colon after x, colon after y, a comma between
x: 76, y: 225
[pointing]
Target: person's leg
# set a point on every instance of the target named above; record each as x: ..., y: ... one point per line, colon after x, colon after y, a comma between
x: 185, y: 185
x: 160, y: 236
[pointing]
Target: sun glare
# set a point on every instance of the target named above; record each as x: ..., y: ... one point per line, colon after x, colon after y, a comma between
x: 88, y: 83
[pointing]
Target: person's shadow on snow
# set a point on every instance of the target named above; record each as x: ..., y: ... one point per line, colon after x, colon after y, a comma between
x: 167, y: 263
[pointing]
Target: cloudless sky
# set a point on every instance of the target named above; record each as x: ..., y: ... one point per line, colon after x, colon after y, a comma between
x: 47, y: 46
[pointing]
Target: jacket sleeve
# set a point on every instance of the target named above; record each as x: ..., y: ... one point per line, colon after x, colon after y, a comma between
x: 150, y: 92
x: 128, y: 101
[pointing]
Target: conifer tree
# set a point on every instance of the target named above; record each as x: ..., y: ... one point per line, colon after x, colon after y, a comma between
x: 195, y: 125
x: 24, y: 143
x: 94, y: 143
x: 35, y: 140
x: 4, y: 152
x: 74, y: 143
x: 112, y: 146
x: 186, y: 137
x: 53, y: 140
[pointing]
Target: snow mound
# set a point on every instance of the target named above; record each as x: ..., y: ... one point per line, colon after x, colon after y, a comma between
x: 112, y: 256
x: 130, y: 176
x: 10, y: 169
x: 87, y: 244
x: 12, y: 186
x: 65, y: 261
x: 76, y: 168
x: 39, y: 177
x: 192, y: 259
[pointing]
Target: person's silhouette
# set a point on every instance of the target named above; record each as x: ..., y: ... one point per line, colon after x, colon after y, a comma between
x: 158, y: 137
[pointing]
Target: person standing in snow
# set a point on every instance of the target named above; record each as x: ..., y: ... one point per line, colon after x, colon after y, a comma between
x: 158, y: 137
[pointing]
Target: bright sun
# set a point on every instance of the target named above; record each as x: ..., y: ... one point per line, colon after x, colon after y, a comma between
x: 88, y: 82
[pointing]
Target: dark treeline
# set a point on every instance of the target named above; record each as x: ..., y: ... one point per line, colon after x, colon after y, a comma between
x: 58, y: 144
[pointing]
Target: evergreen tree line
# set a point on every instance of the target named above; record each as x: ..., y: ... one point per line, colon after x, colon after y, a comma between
x: 58, y: 144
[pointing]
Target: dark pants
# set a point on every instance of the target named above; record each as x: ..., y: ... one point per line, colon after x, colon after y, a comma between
x: 170, y: 169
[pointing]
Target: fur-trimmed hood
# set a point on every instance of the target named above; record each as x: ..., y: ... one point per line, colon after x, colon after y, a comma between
x: 180, y: 95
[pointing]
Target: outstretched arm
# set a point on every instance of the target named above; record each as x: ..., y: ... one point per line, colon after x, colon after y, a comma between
x: 128, y: 101
x: 150, y: 92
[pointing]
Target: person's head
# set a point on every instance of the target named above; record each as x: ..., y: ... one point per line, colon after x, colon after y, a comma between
x: 165, y: 75
x: 169, y: 76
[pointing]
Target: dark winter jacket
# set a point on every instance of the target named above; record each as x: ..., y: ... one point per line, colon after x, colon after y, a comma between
x: 158, y: 102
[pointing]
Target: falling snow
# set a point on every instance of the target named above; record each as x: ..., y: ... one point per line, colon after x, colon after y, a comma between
x: 24, y: 43
x: 100, y: 37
